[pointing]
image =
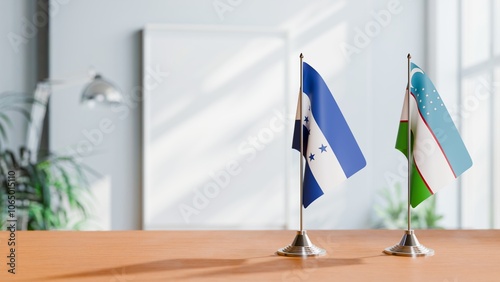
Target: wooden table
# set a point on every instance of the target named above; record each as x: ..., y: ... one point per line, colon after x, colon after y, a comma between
x: 461, y: 255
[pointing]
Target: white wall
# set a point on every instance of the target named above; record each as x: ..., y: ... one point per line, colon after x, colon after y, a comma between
x: 368, y: 86
x: 17, y: 58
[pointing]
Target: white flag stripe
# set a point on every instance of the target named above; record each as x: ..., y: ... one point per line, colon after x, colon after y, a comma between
x: 404, y: 112
x: 297, y: 113
x: 428, y: 156
x: 325, y: 167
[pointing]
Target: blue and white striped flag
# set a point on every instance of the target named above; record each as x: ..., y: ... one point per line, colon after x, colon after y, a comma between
x: 330, y: 149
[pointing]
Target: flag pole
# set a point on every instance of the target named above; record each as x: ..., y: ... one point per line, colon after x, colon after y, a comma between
x: 301, y: 168
x: 409, y: 246
x: 301, y: 245
x: 409, y: 141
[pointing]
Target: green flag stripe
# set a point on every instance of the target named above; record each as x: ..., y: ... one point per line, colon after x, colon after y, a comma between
x: 401, y: 140
x: 419, y: 190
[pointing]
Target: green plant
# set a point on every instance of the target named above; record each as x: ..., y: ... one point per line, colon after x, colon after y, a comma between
x: 393, y: 213
x: 51, y: 192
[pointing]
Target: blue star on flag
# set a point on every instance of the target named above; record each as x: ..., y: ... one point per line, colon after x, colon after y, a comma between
x: 322, y: 148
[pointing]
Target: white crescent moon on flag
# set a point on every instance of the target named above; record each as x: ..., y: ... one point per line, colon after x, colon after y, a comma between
x: 413, y: 71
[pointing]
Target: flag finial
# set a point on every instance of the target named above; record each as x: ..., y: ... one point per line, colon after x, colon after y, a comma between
x: 409, y: 56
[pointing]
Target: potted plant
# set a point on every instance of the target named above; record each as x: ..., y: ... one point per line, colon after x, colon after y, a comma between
x: 45, y: 194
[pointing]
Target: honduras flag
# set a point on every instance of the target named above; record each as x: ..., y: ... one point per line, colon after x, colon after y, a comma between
x: 331, y: 152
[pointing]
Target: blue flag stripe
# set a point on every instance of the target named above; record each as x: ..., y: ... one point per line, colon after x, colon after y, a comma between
x: 296, y: 136
x: 326, y: 112
x: 312, y: 191
x: 439, y: 121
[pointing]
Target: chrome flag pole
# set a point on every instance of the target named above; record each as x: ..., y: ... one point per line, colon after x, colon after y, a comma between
x: 409, y: 245
x: 301, y: 168
x: 301, y: 245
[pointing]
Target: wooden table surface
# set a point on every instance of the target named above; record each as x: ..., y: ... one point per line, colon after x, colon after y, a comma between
x: 354, y: 255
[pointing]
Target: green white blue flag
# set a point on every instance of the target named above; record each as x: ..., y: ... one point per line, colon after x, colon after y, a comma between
x: 439, y: 154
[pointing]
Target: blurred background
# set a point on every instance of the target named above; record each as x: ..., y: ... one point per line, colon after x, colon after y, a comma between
x: 201, y: 138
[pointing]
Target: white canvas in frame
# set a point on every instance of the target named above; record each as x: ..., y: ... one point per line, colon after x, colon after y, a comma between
x: 215, y: 128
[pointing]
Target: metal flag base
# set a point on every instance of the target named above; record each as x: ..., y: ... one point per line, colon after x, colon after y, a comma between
x: 409, y: 247
x: 301, y: 247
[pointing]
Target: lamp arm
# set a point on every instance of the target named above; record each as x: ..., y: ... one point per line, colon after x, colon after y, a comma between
x: 98, y: 88
x: 38, y: 111
x: 58, y: 83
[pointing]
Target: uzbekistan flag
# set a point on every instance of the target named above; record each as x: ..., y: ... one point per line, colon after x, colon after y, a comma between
x: 439, y: 154
x: 331, y: 152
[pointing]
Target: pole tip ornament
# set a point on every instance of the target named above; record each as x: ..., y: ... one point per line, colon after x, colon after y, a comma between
x: 301, y: 56
x: 409, y: 56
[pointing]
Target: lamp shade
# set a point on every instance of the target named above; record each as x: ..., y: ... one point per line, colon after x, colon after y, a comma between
x: 101, y: 90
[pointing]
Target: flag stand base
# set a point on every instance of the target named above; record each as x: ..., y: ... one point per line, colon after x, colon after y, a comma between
x: 301, y: 247
x: 409, y: 247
